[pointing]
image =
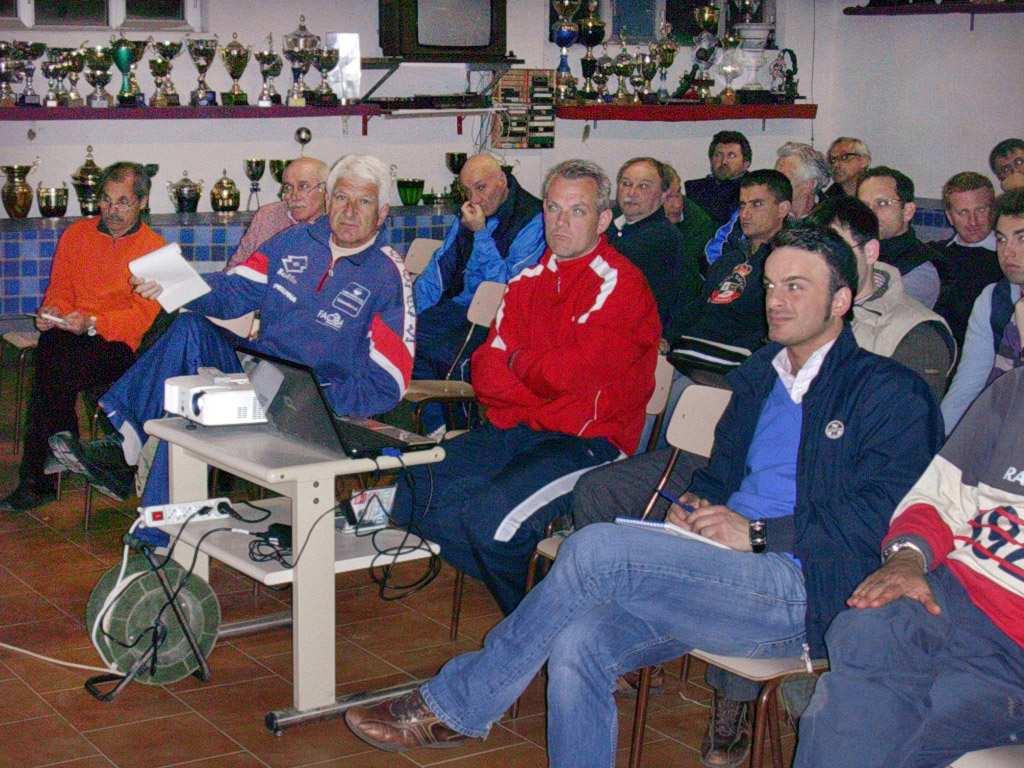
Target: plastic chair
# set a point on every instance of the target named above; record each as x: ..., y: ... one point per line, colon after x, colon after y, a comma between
x: 421, y: 251
x: 999, y: 757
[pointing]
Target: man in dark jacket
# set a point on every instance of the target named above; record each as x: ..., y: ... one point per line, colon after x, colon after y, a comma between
x: 718, y: 193
x: 690, y: 219
x: 642, y: 233
x: 819, y: 444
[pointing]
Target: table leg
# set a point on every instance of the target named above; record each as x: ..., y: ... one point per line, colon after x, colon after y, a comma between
x: 313, y: 639
x: 188, y: 483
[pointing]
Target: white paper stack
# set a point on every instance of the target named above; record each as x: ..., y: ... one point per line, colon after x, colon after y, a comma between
x: 179, y: 280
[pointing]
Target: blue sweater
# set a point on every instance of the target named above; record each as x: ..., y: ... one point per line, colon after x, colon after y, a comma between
x: 870, y: 427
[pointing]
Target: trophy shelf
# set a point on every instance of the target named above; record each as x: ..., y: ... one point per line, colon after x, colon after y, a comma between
x: 930, y: 9
x: 682, y: 113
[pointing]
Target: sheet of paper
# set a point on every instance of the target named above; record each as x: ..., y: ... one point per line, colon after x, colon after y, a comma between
x: 179, y: 280
x: 675, y: 530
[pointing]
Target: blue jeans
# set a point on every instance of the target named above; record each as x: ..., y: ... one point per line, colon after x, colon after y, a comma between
x: 911, y: 690
x: 488, y: 503
x: 618, y: 599
x: 190, y: 342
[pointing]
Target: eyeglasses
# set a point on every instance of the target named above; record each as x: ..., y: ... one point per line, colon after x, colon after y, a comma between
x: 123, y: 204
x: 885, y: 202
x: 302, y: 189
x: 843, y: 158
x: 1013, y: 166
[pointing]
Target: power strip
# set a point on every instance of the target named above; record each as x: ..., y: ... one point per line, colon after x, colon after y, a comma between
x: 160, y: 515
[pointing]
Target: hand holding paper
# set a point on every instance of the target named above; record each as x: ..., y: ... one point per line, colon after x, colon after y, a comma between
x: 178, y: 281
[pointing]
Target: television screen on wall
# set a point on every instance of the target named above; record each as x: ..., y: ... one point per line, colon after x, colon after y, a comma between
x: 443, y: 29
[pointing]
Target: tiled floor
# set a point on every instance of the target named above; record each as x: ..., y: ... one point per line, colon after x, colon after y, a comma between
x: 48, y: 567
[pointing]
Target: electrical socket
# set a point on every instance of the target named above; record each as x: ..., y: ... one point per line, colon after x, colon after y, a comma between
x: 161, y: 515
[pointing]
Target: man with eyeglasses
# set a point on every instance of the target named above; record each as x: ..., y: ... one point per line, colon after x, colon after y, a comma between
x: 848, y: 159
x: 498, y: 233
x: 303, y: 196
x: 1007, y: 162
x: 992, y: 344
x: 332, y: 295
x: 91, y: 321
x: 890, y: 194
x: 968, y: 259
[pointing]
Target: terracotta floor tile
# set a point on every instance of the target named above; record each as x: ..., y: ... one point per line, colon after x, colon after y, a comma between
x: 259, y: 645
x: 47, y: 637
x: 373, y: 683
x: 372, y: 759
x: 136, y: 702
x: 19, y: 609
x: 235, y: 760
x: 661, y: 754
x: 43, y: 677
x: 20, y: 702
x: 351, y: 663
x: 227, y: 665
x: 477, y: 627
x: 498, y: 739
x: 514, y: 756
x: 95, y: 761
x: 686, y: 724
x: 239, y: 709
x: 405, y: 631
x: 12, y: 585
x: 424, y: 662
x: 363, y: 603
x: 42, y: 741
x: 240, y: 606
x: 161, y: 742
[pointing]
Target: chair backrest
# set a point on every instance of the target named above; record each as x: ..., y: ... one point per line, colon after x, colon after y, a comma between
x: 662, y: 386
x: 421, y: 250
x: 485, y: 303
x: 692, y: 426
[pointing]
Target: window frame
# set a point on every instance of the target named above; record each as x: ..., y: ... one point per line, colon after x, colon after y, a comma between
x: 117, y: 18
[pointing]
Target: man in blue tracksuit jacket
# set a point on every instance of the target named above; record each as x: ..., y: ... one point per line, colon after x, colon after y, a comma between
x: 331, y: 295
x: 499, y: 233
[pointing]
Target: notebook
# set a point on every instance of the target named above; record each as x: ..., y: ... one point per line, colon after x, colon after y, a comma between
x: 295, y: 405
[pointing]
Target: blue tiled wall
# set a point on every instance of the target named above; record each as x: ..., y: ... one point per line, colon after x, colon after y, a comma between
x: 206, y: 238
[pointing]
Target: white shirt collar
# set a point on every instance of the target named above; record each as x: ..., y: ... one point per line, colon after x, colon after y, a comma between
x: 989, y: 242
x: 798, y: 384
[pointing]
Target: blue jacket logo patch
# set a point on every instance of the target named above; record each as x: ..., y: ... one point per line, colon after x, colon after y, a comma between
x: 834, y: 429
x: 295, y: 265
x: 351, y: 299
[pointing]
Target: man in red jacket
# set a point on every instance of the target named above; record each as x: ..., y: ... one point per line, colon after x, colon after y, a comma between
x: 563, y: 377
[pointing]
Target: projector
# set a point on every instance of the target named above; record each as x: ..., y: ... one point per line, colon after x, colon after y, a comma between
x: 213, y: 398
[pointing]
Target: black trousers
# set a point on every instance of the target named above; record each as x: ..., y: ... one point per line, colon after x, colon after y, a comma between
x: 66, y: 364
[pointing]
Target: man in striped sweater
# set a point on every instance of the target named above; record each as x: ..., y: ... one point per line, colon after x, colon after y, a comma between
x: 929, y: 664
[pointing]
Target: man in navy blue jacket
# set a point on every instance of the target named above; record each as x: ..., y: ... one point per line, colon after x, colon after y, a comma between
x: 819, y: 443
x: 332, y: 295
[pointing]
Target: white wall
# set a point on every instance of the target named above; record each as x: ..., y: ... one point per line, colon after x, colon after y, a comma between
x: 877, y: 78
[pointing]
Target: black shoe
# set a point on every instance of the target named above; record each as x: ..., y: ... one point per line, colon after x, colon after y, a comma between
x: 26, y: 497
x: 726, y: 743
x: 100, y: 461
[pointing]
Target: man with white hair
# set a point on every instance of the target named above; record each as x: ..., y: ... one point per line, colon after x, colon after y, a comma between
x: 332, y: 295
x: 848, y: 158
x: 808, y: 173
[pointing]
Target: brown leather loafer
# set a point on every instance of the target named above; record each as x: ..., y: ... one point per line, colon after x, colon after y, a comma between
x: 397, y: 725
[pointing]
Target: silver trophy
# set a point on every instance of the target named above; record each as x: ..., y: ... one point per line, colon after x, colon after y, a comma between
x: 203, y: 51
x: 165, y: 95
x: 29, y: 53
x: 300, y: 50
x: 270, y: 67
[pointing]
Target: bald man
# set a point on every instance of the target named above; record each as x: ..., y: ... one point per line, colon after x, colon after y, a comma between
x: 499, y: 233
x: 303, y: 198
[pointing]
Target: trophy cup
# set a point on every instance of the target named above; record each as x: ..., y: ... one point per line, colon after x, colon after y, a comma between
x: 254, y: 168
x: 236, y: 58
x: 270, y: 67
x: 300, y: 48
x: 648, y: 65
x: 86, y: 181
x: 623, y: 67
x: 325, y: 59
x: 566, y: 32
x: 203, y: 51
x: 591, y: 34
x: 185, y: 194
x: 165, y: 95
x: 748, y: 8
x: 277, y: 169
x: 666, y: 52
x: 151, y: 170
x: 11, y: 71
x: 74, y: 61
x: 98, y: 59
x: 454, y: 162
x: 16, y: 192
x: 127, y: 54
x: 29, y: 53
x: 732, y: 67
x: 53, y: 71
x: 705, y: 46
x: 604, y: 72
x: 53, y: 201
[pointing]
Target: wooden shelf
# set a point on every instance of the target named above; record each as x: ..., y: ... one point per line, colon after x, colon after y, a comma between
x: 680, y: 113
x: 930, y: 8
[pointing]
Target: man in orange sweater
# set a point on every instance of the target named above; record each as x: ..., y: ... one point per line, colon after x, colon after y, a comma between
x: 91, y: 320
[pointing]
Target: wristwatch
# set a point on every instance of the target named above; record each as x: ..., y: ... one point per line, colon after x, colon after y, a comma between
x: 900, y: 544
x: 758, y: 536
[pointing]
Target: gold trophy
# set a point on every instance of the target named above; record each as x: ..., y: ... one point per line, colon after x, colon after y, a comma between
x: 165, y: 95
x: 75, y: 61
x: 98, y: 59
x: 224, y: 194
x: 270, y: 67
x: 254, y: 167
x: 53, y: 201
x: 300, y: 49
x: 325, y: 59
x: 624, y: 66
x: 236, y: 58
x: 665, y: 50
x: 11, y: 71
x: 55, y: 69
x: 203, y: 51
